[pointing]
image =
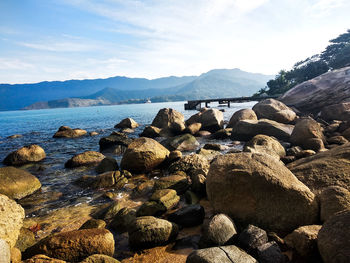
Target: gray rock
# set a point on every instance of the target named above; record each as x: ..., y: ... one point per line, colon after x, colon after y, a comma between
x: 251, y: 238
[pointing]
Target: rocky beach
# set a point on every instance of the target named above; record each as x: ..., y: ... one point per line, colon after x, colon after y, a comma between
x: 270, y: 183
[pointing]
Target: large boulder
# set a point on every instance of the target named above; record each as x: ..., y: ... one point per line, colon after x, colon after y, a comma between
x: 265, y: 144
x: 127, y: 123
x: 148, y: 231
x: 67, y: 132
x: 225, y: 254
x: 324, y: 169
x: 339, y: 111
x: 315, y: 94
x: 26, y: 154
x: 17, y: 183
x: 185, y: 142
x: 258, y: 189
x: 74, y: 246
x: 274, y: 110
x: 87, y: 158
x: 11, y: 220
x: 334, y: 238
x: 333, y: 199
x: 143, y: 155
x: 191, y: 164
x: 212, y: 120
x: 244, y: 114
x: 116, y: 142
x: 246, y: 129
x: 169, y: 119
x: 304, y: 131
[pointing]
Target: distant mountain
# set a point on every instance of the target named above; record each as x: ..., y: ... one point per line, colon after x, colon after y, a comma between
x: 216, y: 83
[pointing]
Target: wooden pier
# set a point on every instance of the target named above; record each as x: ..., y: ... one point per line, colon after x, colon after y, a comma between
x: 197, y: 104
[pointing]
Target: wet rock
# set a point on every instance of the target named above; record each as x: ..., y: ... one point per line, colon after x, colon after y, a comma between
x: 123, y: 219
x: 11, y: 220
x: 148, y: 231
x: 218, y: 231
x: 143, y: 155
x: 270, y: 253
x: 333, y: 199
x: 127, y: 123
x: 169, y: 119
x: 88, y: 158
x: 67, y: 132
x: 244, y: 114
x: 25, y: 239
x: 109, y: 179
x: 185, y: 142
x: 115, y: 143
x: 193, y: 128
x: 265, y: 144
x: 151, y: 208
x: 93, y: 223
x: 190, y: 164
x: 241, y: 185
x: 330, y: 168
x: 222, y: 134
x: 93, y: 133
x: 106, y: 165
x: 246, y: 129
x: 24, y: 155
x: 334, y: 238
x: 17, y: 183
x: 214, y: 146
x: 274, y: 110
x: 5, y: 252
x: 144, y: 188
x: 188, y: 216
x: 178, y: 182
x: 43, y: 259
x: 98, y: 258
x: 251, y: 238
x: 225, y: 254
x: 305, y: 129
x: 151, y: 132
x: 15, y: 136
x: 167, y: 197
x: 304, y: 240
x: 109, y: 212
x: 75, y: 245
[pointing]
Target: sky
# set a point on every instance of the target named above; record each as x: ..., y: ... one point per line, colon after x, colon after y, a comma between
x: 45, y: 40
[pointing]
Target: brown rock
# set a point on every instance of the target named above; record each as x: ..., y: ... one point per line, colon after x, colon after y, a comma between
x: 193, y: 128
x: 115, y: 143
x: 151, y: 132
x: 211, y: 119
x: 26, y: 154
x: 265, y: 144
x: 333, y: 199
x: 88, y: 158
x: 244, y: 114
x: 190, y: 164
x: 106, y: 165
x: 339, y: 111
x: 274, y: 110
x: 67, y: 132
x: 98, y: 258
x: 169, y: 119
x: 305, y: 129
x: 127, y: 123
x: 43, y: 259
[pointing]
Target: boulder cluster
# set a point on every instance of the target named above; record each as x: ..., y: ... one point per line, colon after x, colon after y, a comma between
x: 283, y: 195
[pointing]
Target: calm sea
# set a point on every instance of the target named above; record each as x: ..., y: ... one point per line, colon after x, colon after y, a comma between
x: 38, y: 127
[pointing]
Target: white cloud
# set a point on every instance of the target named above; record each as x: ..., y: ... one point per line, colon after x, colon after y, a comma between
x: 58, y: 46
x: 15, y: 64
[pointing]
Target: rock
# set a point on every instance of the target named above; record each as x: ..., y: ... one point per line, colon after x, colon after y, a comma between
x: 16, y: 255
x: 93, y: 223
x: 67, y: 132
x: 11, y: 220
x: 305, y: 153
x: 143, y: 155
x: 304, y: 240
x: 334, y: 238
x: 75, y: 245
x: 123, y: 219
x: 88, y: 158
x: 288, y: 159
x: 93, y: 133
x: 169, y: 119
x: 324, y: 169
x: 185, y: 142
x: 251, y: 238
x: 305, y: 129
x: 188, y: 216
x: 208, y: 154
x: 218, y: 231
x: 203, y: 134
x: 127, y: 123
x: 294, y: 151
x: 190, y: 164
x: 151, y: 208
x: 98, y: 258
x: 339, y: 111
x: 24, y: 155
x: 215, y: 147
x: 222, y: 134
x: 178, y: 182
x: 246, y: 129
x: 333, y: 199
x: 211, y: 119
x: 144, y: 188
x: 5, y: 252
x: 315, y: 144
x: 148, y: 231
x: 337, y: 140
x: 151, y: 132
x: 270, y: 253
x: 244, y: 114
x: 108, y: 212
x: 199, y: 184
x: 167, y: 197
x: 15, y: 136
x: 265, y: 144
x: 258, y: 189
x: 175, y: 156
x: 193, y: 128
x: 25, y: 239
x: 226, y: 254
x: 274, y: 110
x: 116, y: 143
x: 17, y: 183
x: 318, y: 93
x: 109, y: 179
x: 191, y: 198
x: 106, y: 165
x: 43, y: 259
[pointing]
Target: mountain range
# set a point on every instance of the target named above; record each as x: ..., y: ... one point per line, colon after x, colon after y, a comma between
x: 216, y: 83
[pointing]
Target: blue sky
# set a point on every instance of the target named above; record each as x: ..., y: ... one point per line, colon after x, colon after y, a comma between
x: 76, y: 39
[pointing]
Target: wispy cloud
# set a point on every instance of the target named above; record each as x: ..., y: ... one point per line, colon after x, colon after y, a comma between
x: 58, y: 46
x: 14, y: 63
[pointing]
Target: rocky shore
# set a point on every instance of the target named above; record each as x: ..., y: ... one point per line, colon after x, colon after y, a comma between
x: 278, y: 192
